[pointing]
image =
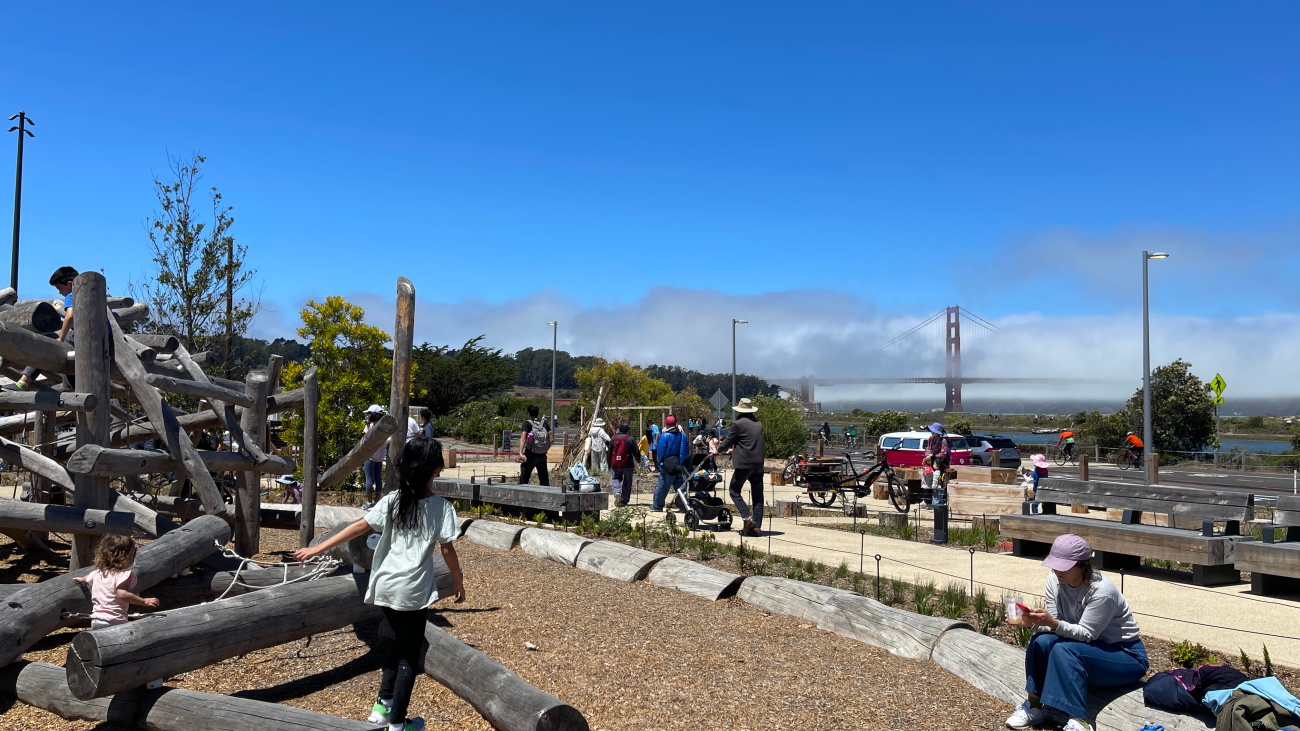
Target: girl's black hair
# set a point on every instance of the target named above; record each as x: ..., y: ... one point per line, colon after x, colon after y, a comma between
x: 420, y: 459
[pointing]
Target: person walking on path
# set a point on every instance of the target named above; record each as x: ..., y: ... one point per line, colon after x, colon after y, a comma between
x: 674, y: 455
x: 598, y: 445
x: 647, y: 454
x: 1086, y: 636
x: 375, y: 465
x: 745, y: 444
x: 654, y: 445
x: 411, y: 521
x: 623, y: 456
x: 534, y: 443
x: 939, y: 458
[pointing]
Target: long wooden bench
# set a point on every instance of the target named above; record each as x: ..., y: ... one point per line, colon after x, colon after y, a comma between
x: 1123, y: 544
x: 525, y: 500
x: 1275, y: 567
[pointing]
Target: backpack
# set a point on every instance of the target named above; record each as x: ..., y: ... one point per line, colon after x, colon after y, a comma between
x: 541, y: 441
x: 619, y: 456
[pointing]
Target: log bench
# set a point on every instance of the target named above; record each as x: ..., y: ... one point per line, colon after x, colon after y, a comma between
x: 1123, y: 544
x: 1275, y: 567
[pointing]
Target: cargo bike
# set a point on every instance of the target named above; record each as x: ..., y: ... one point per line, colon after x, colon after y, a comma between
x: 829, y: 478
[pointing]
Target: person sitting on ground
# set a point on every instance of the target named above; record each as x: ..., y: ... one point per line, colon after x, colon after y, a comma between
x: 1086, y: 636
x: 1134, y: 445
x: 112, y: 581
x: 623, y: 457
x: 411, y: 521
x: 534, y: 443
x: 1040, y: 469
x: 61, y: 280
x: 745, y: 444
x: 673, y: 453
x: 1066, y: 442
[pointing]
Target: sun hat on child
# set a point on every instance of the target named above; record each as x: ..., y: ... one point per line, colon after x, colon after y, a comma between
x: 1067, y: 550
x: 1039, y: 460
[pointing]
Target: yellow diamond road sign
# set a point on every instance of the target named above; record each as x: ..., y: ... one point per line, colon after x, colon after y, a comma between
x: 1218, y: 384
x: 1218, y: 400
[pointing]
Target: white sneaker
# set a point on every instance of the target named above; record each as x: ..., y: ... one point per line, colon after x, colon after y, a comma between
x: 1026, y: 716
x: 1074, y: 725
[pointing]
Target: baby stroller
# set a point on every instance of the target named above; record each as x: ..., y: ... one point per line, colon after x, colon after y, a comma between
x: 701, y: 504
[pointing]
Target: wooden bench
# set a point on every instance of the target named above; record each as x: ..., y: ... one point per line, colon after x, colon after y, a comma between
x: 525, y: 500
x: 1275, y: 567
x: 1123, y: 544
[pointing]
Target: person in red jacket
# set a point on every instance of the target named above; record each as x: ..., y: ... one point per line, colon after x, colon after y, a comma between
x: 1135, y: 446
x: 623, y: 456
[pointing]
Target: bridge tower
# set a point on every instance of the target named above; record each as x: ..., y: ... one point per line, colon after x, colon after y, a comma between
x: 952, y: 352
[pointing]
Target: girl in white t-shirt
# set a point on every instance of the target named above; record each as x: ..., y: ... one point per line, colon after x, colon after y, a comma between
x: 411, y: 521
x: 112, y: 581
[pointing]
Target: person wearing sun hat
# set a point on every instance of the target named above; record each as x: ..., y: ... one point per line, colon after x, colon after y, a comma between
x: 939, y: 457
x: 746, y: 444
x: 1086, y: 636
x: 1040, y: 469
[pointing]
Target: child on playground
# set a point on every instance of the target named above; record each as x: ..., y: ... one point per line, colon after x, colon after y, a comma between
x: 112, y: 581
x: 412, y: 521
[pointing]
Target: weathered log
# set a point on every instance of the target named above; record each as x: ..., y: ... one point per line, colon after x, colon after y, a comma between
x: 367, y: 446
x: 8, y: 296
x: 220, y: 408
x: 163, y: 420
x: 206, y: 586
x: 130, y: 434
x: 34, y: 612
x: 163, y: 709
x: 198, y: 389
x: 868, y: 621
x: 787, y: 596
x: 47, y: 401
x: 36, y: 463
x: 311, y: 402
x: 145, y: 353
x: 115, y: 659
x: 494, y: 534
x: 92, y: 367
x: 137, y: 311
x: 178, y: 508
x: 692, y: 578
x: 160, y: 343
x: 505, y: 700
x: 19, y: 423
x: 617, y: 560
x: 15, y: 515
x: 27, y: 348
x: 248, y: 485
x: 29, y: 541
x: 38, y: 316
x: 117, y: 303
x: 400, y: 383
x: 105, y: 462
x: 555, y: 545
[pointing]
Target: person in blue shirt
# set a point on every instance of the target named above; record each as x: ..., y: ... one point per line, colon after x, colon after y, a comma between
x: 61, y: 280
x: 673, y: 455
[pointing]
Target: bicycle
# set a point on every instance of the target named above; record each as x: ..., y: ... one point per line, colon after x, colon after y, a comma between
x: 1126, y: 458
x: 825, y: 487
x: 850, y: 441
x: 1066, y: 454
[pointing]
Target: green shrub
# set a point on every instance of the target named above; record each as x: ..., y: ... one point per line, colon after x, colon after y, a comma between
x: 922, y: 595
x: 952, y: 600
x: 1268, y: 662
x: 708, y: 547
x: 539, y: 519
x: 1245, y: 661
x: 897, y: 591
x: 784, y: 434
x: 842, y: 571
x: 1188, y: 654
x: 980, y: 602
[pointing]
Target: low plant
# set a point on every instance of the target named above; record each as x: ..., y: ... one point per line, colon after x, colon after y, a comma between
x: 1245, y: 661
x: 1268, y: 663
x: 859, y: 584
x: 1188, y: 654
x: 980, y: 602
x: 952, y: 600
x: 707, y: 547
x: 922, y: 595
x: 842, y: 571
x: 539, y: 519
x: 907, y: 531
x: 1022, y: 635
x: 897, y: 591
x: 991, y: 617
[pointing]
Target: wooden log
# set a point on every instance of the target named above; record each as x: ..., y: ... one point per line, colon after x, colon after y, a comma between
x: 162, y: 709
x: 177, y: 508
x: 137, y: 311
x: 106, y: 462
x: 198, y: 389
x: 37, y: 316
x: 165, y: 422
x: 160, y: 343
x: 505, y: 700
x: 36, y: 611
x: 400, y: 391
x: 119, y: 658
x: 145, y: 353
x: 93, y: 364
x: 15, y: 515
x: 220, y: 408
x: 868, y: 621
x: 130, y: 434
x: 47, y: 401
x: 692, y: 578
x: 366, y: 447
x: 310, y: 404
x: 555, y: 545
x: 117, y: 303
x: 8, y: 296
x: 148, y: 521
x: 787, y: 596
x: 248, y: 485
x: 494, y: 534
x: 206, y: 586
x: 29, y: 541
x: 617, y: 560
x: 37, y: 463
x: 27, y: 348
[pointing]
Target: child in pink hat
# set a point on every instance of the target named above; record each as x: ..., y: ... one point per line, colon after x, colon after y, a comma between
x: 1040, y: 469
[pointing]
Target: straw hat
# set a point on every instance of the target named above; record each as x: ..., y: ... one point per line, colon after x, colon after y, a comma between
x: 598, y: 422
x: 744, y: 407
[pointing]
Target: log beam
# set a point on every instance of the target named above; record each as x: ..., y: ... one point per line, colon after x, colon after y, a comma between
x: 38, y: 316
x: 160, y: 343
x: 94, y: 362
x: 130, y: 434
x: 367, y: 446
x: 400, y: 391
x: 47, y: 401
x: 106, y: 462
x: 137, y: 311
x: 23, y: 346
x: 219, y: 407
x: 248, y: 485
x: 311, y: 401
x: 198, y: 389
x: 19, y: 516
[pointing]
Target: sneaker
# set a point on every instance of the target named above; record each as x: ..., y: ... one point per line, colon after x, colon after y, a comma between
x: 412, y: 724
x: 367, y: 506
x: 1026, y: 716
x: 1075, y: 724
x: 379, y: 714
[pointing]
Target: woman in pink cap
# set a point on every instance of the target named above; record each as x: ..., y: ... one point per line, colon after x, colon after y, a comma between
x: 1086, y: 636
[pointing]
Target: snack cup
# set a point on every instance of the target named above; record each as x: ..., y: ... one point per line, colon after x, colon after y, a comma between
x: 1013, y: 611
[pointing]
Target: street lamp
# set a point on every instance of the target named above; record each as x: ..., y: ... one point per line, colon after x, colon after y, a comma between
x: 734, y: 323
x: 21, y: 127
x: 555, y: 335
x: 1147, y: 443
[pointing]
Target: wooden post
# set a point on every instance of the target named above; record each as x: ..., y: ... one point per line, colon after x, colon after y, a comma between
x: 1153, y: 460
x: 1083, y: 467
x: 307, y: 526
x: 496, y: 444
x: 248, y: 485
x: 641, y: 412
x: 400, y: 394
x: 94, y: 361
x: 997, y: 457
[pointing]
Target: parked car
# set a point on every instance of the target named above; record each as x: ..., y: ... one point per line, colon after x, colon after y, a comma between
x: 982, y: 451
x: 914, y: 444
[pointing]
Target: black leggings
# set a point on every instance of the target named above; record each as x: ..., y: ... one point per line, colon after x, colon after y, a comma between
x: 534, y: 460
x: 404, y: 660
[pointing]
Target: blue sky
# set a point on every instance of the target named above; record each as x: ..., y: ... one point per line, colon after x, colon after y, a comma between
x: 1012, y: 157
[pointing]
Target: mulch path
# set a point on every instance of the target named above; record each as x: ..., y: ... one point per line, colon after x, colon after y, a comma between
x: 630, y: 656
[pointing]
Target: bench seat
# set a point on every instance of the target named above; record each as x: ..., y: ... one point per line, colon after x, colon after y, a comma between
x: 1274, y: 567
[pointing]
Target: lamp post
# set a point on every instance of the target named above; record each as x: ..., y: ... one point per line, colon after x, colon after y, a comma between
x: 21, y: 127
x: 734, y: 323
x: 555, y: 336
x: 1147, y: 443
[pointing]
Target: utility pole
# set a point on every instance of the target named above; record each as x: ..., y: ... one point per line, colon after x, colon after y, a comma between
x: 1148, y: 443
x: 734, y: 323
x: 555, y: 335
x: 230, y: 304
x: 23, y: 121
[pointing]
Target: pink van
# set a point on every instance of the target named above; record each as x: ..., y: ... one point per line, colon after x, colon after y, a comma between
x: 914, y: 445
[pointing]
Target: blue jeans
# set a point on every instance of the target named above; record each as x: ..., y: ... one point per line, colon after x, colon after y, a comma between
x: 1059, y: 671
x: 374, y: 478
x: 667, y: 481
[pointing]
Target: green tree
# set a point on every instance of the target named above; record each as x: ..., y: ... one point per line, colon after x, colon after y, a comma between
x: 199, y: 290
x: 961, y: 425
x: 1182, y: 409
x: 535, y: 368
x: 1295, y: 439
x: 353, y: 369
x: 622, y: 384
x: 784, y: 434
x: 1106, y: 431
x: 885, y: 422
x: 445, y: 379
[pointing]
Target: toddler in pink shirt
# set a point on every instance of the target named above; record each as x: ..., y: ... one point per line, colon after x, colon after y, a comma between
x: 112, y: 581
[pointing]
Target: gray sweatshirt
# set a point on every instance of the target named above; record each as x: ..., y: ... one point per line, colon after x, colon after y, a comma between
x: 1093, y: 611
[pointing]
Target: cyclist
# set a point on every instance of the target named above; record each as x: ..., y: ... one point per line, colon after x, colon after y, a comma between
x: 1066, y: 443
x: 825, y: 432
x: 850, y: 436
x: 1135, y: 447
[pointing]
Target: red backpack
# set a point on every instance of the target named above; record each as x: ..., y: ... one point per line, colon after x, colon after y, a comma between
x: 618, y: 455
